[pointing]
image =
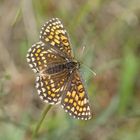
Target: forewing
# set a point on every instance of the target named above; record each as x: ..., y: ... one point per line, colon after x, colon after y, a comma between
x: 54, y: 34
x: 51, y: 87
x: 75, y: 100
x: 39, y: 56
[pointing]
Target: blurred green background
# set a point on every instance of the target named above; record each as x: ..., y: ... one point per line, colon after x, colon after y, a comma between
x: 110, y: 32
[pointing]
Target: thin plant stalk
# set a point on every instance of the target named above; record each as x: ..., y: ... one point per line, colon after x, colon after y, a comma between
x: 45, y: 111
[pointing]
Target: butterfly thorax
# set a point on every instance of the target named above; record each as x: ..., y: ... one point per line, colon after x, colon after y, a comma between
x: 70, y: 66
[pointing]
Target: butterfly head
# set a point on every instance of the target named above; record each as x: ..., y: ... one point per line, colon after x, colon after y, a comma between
x: 77, y: 64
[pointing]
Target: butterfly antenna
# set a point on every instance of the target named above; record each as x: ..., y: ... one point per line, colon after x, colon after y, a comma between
x: 82, y: 52
x: 89, y: 69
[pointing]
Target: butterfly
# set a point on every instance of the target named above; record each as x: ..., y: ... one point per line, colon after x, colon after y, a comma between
x: 58, y: 79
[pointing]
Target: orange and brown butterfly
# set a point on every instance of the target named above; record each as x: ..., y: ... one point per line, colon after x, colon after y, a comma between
x: 58, y: 79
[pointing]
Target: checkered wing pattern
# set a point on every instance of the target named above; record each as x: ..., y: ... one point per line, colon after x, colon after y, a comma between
x: 54, y: 33
x: 51, y: 88
x: 39, y: 56
x: 57, y: 79
x: 75, y: 100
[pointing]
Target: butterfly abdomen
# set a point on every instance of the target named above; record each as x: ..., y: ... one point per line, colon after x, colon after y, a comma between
x: 56, y: 69
x: 60, y: 67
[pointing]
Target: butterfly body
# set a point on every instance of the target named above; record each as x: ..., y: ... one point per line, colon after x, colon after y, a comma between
x: 70, y: 66
x: 58, y: 77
